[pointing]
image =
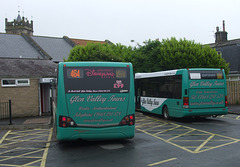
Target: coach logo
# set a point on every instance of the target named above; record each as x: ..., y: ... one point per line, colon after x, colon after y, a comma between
x: 118, y: 84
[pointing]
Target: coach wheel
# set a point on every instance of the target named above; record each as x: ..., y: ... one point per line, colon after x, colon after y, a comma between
x: 165, y: 113
x: 214, y: 116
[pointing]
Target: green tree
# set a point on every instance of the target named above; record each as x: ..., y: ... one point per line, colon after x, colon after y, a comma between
x: 107, y: 52
x: 174, y: 54
x: 153, y: 55
x: 100, y: 52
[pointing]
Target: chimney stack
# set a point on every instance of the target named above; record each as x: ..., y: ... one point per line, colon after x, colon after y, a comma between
x: 223, y: 26
x: 221, y: 36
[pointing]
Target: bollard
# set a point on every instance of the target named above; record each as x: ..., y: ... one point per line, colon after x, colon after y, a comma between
x: 10, y: 112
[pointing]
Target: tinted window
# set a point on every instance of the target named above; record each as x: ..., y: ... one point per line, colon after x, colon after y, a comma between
x: 96, y: 79
x: 163, y: 87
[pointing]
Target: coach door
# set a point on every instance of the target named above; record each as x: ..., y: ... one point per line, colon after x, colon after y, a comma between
x: 138, y: 93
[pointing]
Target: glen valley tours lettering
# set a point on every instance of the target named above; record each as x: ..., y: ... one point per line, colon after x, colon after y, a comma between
x: 150, y: 101
x: 98, y: 98
x: 205, y: 84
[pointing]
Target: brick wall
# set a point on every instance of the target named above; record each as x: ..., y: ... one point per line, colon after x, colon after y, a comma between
x: 25, y: 100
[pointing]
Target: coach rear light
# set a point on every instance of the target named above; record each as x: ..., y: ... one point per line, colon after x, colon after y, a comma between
x: 226, y: 103
x: 64, y: 119
x: 185, y: 102
x: 66, y: 122
x: 128, y: 120
x: 123, y: 122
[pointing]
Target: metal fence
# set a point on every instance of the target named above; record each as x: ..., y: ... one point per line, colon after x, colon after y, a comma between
x: 6, y: 111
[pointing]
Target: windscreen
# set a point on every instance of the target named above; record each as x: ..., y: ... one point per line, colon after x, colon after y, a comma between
x: 96, y: 79
x: 206, y: 74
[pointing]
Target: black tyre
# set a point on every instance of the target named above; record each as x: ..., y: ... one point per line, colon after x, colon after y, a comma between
x: 165, y: 113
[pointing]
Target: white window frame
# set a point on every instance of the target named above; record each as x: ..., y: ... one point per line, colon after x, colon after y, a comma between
x: 17, y: 83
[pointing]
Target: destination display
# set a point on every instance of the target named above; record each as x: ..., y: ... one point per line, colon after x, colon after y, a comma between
x: 205, y: 74
x: 96, y: 79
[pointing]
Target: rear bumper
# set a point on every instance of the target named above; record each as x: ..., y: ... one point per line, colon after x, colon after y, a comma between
x: 203, y: 112
x: 74, y: 133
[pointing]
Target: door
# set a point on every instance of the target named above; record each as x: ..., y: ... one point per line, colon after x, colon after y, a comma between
x: 138, y: 94
x: 45, y: 97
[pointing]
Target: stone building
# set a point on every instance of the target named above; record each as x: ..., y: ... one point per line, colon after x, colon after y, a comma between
x: 19, y: 26
x: 27, y: 83
x: 229, y: 50
x: 28, y: 64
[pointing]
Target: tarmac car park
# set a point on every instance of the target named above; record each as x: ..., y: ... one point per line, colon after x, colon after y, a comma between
x: 157, y: 142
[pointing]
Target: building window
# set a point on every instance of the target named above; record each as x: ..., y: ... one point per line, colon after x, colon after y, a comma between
x: 220, y: 53
x: 15, y: 82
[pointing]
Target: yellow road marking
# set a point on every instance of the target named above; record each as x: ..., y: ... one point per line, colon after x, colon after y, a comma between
x: 18, y: 148
x: 218, y: 135
x: 23, y: 135
x: 218, y: 146
x: 19, y: 141
x: 205, y: 132
x: 19, y: 135
x: 14, y: 165
x: 11, y: 157
x: 155, y: 127
x: 201, y: 148
x: 44, y: 158
x: 144, y: 124
x: 30, y: 163
x: 168, y: 130
x: 202, y: 140
x: 204, y: 143
x: 29, y: 130
x: 140, y: 120
x: 229, y: 117
x: 160, y: 162
x: 3, y: 138
x: 16, y: 139
x: 181, y: 135
x: 21, y: 155
x: 166, y: 141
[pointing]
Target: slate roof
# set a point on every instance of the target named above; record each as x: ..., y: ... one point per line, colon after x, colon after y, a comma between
x: 57, y: 48
x: 39, y: 47
x: 30, y: 68
x: 15, y: 46
x: 84, y: 41
x: 227, y: 43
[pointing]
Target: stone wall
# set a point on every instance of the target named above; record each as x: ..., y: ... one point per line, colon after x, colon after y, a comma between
x: 25, y: 99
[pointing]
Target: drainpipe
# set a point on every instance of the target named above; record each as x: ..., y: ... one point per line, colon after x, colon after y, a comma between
x: 39, y: 100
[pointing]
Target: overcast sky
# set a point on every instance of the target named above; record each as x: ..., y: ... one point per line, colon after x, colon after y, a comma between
x: 121, y: 21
